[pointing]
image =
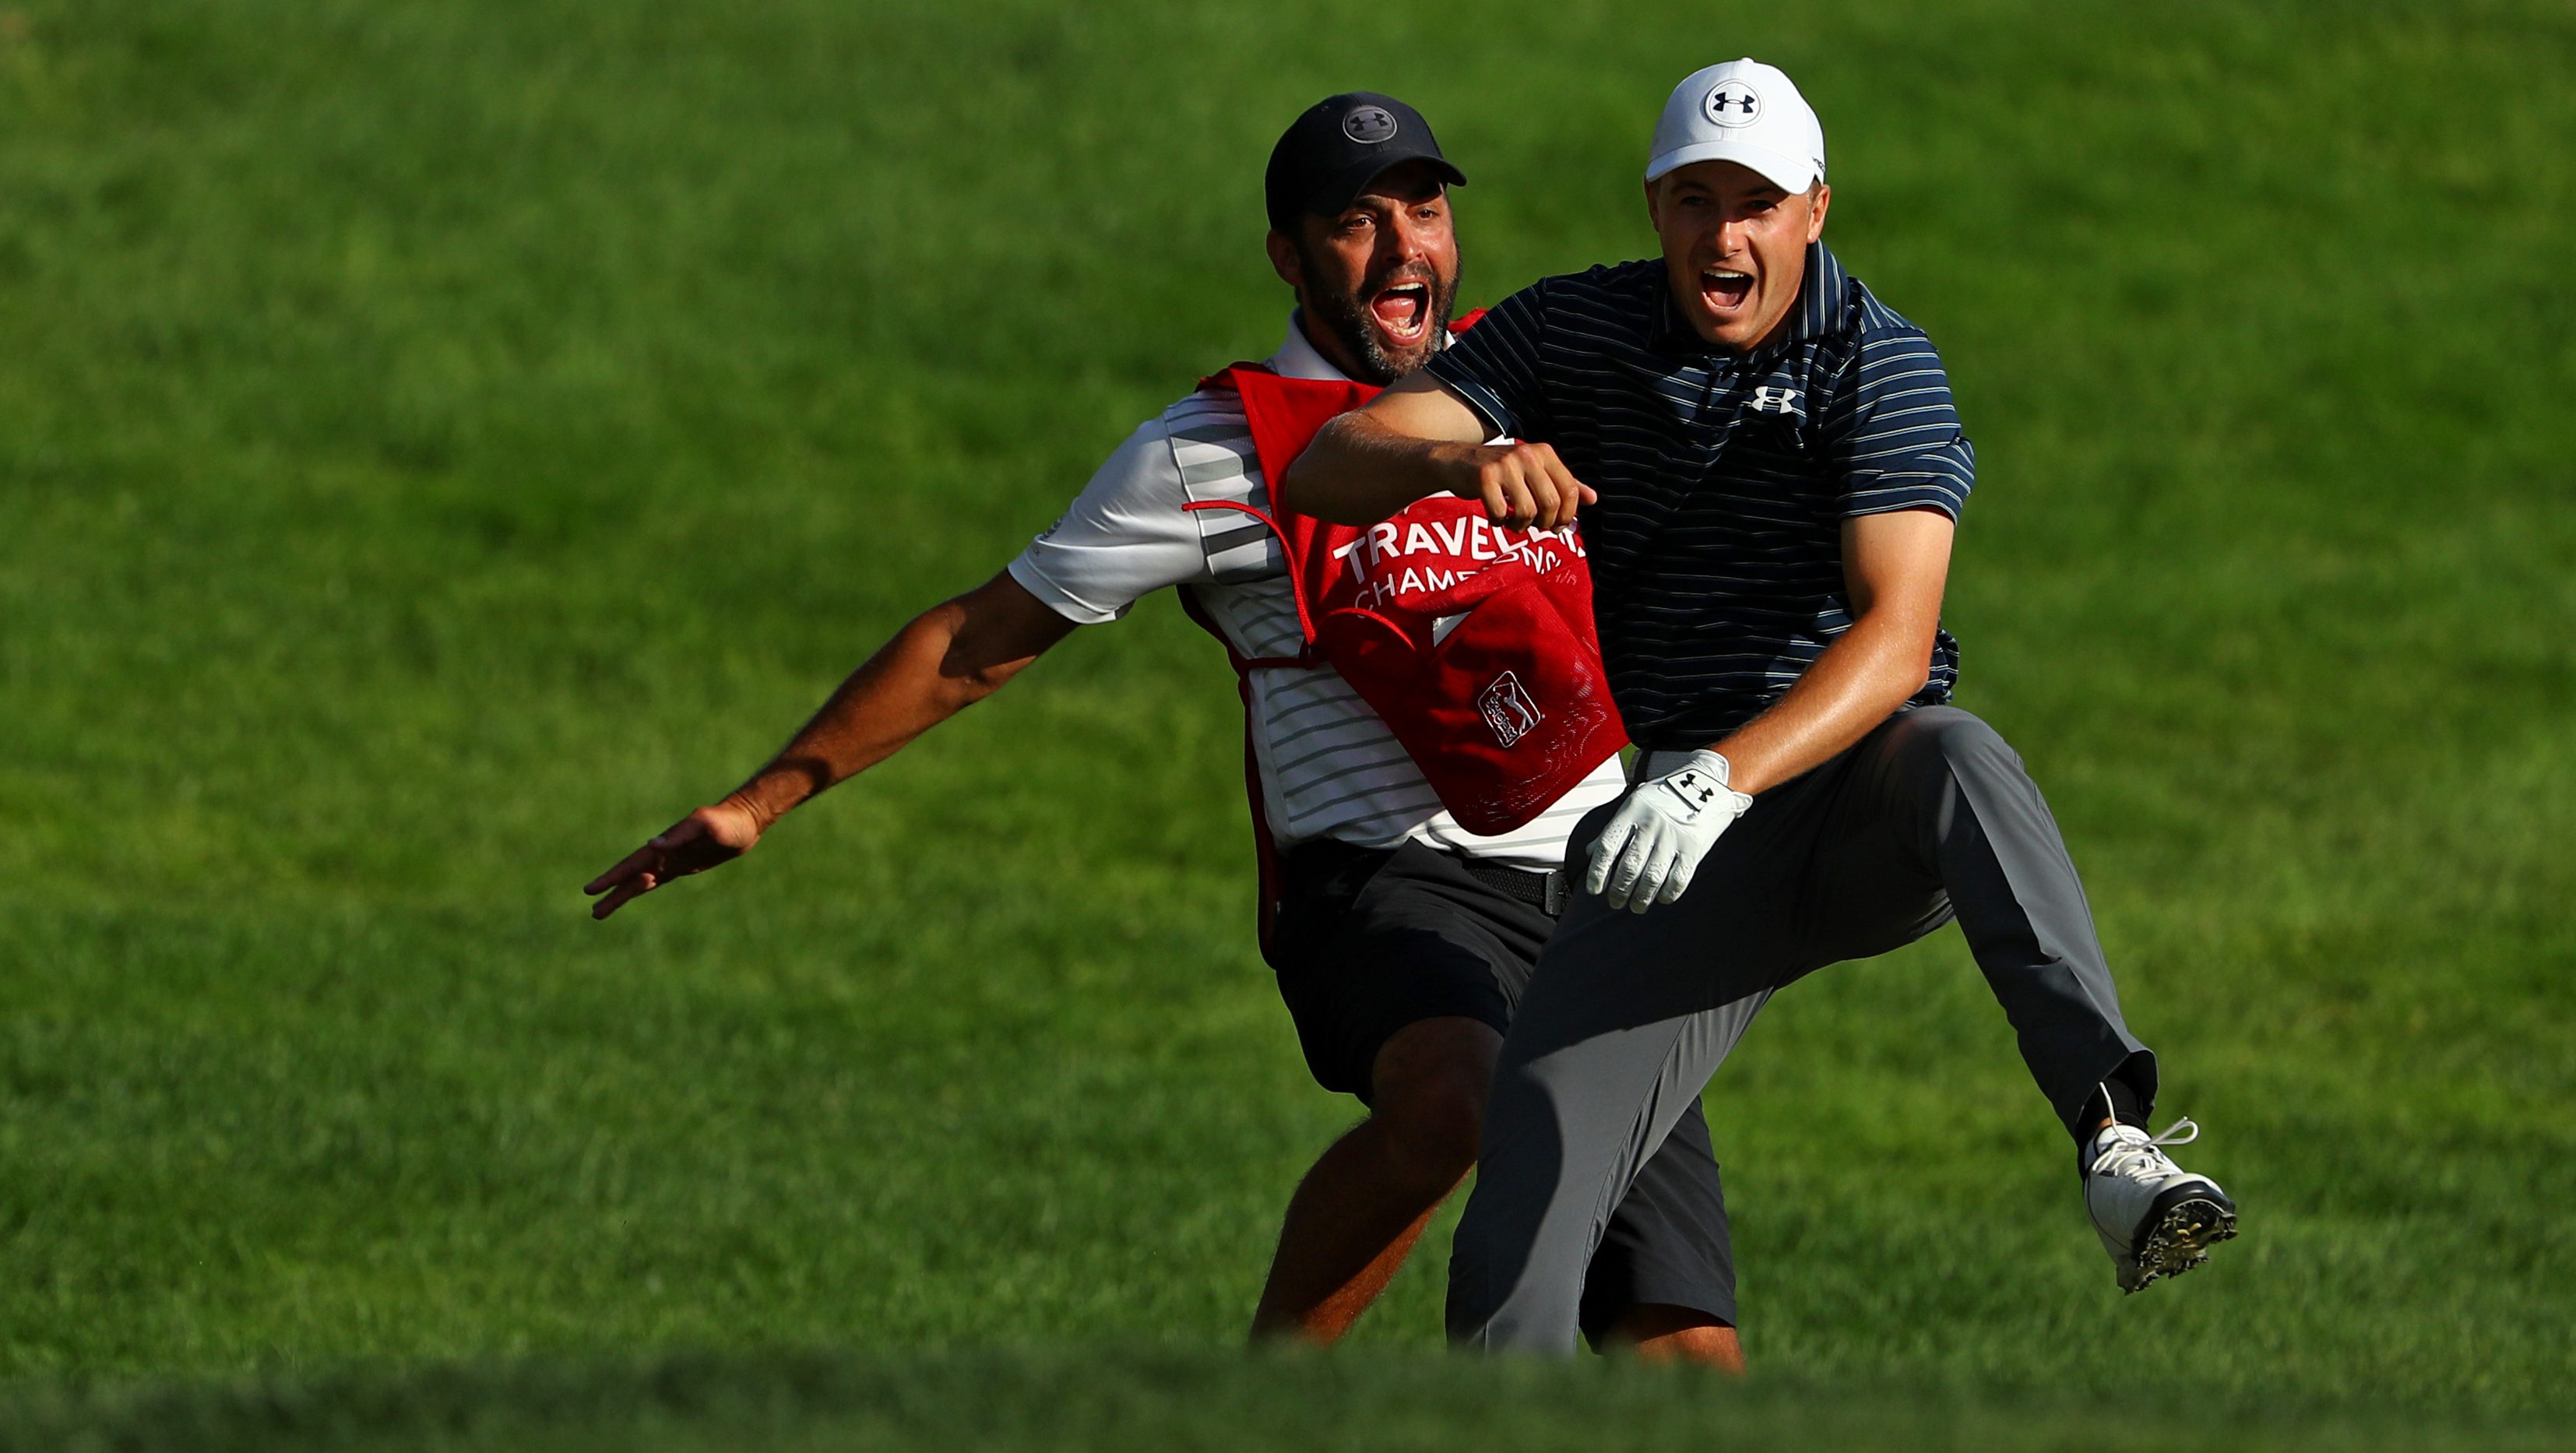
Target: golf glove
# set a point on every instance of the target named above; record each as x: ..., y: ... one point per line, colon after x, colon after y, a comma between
x: 1654, y: 842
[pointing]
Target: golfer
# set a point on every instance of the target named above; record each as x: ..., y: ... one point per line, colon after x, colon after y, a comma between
x: 1401, y: 941
x: 1769, y: 470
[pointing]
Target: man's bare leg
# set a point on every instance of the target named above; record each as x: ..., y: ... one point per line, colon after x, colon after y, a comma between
x: 1357, y: 1214
x: 1676, y: 1335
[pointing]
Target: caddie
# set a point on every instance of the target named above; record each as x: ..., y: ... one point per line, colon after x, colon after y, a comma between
x: 1401, y: 941
x: 1769, y: 470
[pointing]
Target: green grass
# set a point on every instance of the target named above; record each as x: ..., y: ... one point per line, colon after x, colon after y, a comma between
x: 440, y: 443
x: 1120, y: 1398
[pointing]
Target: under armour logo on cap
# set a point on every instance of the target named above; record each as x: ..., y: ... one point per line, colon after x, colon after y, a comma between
x: 1369, y: 125
x: 1733, y: 103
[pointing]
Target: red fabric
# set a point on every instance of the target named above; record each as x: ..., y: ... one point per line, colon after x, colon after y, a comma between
x: 1473, y: 643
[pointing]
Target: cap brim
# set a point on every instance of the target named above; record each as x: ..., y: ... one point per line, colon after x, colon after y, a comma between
x: 1788, y: 173
x: 1336, y: 194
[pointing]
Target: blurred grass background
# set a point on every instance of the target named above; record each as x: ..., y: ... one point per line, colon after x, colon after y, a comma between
x: 442, y: 442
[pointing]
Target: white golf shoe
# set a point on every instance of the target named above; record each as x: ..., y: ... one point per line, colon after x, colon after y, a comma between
x: 2155, y: 1218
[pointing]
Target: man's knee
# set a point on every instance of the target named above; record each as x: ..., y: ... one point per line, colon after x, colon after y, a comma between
x: 1943, y: 743
x: 1429, y: 1086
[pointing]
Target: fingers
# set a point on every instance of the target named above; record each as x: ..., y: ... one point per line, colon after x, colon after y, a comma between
x: 1652, y: 869
x: 627, y: 867
x: 646, y: 868
x: 1644, y: 851
x: 1677, y: 882
x: 1689, y: 851
x: 1564, y: 490
x: 1524, y: 493
x: 627, y: 892
x: 639, y: 874
x: 1526, y: 486
x: 1508, y: 500
x: 1687, y: 865
x: 680, y: 834
x: 1605, y: 851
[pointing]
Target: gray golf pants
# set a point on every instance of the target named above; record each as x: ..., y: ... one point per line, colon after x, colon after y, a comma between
x: 1931, y: 816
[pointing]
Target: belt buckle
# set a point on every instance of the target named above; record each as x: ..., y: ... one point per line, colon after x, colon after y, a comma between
x: 1553, y: 895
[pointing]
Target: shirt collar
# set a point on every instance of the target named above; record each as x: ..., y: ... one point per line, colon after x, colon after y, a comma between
x: 1299, y: 358
x: 1819, y: 304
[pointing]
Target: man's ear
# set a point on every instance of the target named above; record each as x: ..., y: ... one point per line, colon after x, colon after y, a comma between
x: 1654, y: 206
x: 1824, y: 197
x: 1285, y: 261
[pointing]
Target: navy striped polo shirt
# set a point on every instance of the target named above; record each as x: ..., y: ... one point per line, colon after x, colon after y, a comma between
x: 1724, y: 478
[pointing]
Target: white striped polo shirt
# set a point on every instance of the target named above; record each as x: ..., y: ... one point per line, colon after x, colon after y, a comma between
x: 1329, y: 767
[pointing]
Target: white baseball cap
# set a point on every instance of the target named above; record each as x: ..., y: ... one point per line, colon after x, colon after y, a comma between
x: 1741, y: 111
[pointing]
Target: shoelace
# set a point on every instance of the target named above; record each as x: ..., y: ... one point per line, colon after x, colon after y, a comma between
x: 2141, y: 1158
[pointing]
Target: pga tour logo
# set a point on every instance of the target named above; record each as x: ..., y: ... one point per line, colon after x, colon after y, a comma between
x: 1508, y: 709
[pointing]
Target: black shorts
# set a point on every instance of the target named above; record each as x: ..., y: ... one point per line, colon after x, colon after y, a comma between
x: 1369, y: 941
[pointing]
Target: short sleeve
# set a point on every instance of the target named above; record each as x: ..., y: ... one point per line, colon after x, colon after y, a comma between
x: 1125, y: 537
x: 1494, y: 366
x: 1893, y: 432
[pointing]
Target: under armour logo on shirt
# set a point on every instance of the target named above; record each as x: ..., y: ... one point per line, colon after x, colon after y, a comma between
x: 1769, y: 400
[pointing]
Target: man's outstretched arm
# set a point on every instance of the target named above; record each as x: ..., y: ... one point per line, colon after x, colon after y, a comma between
x: 948, y: 658
x: 1419, y: 439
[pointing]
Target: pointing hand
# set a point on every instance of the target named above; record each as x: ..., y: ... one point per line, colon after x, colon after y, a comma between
x: 1524, y: 485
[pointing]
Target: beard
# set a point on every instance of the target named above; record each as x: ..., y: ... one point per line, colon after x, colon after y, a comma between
x: 1346, y: 317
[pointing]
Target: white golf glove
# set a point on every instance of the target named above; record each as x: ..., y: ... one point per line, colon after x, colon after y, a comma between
x: 1654, y: 842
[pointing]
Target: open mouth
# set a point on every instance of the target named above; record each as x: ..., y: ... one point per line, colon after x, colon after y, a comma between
x: 1403, y: 313
x: 1724, y: 288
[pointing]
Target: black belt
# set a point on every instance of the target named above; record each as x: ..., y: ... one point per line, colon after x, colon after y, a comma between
x: 1542, y: 891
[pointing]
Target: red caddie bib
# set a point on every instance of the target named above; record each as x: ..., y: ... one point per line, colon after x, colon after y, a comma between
x: 1473, y: 642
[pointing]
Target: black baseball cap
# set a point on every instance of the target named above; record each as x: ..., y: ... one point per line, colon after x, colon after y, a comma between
x: 1331, y: 154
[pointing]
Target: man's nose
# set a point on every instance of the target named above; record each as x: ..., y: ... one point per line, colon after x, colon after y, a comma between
x: 1407, y: 241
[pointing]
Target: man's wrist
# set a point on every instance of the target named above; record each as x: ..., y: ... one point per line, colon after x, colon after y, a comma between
x: 1667, y: 761
x: 1736, y: 776
x: 772, y: 794
x: 1711, y: 760
x: 1461, y: 467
